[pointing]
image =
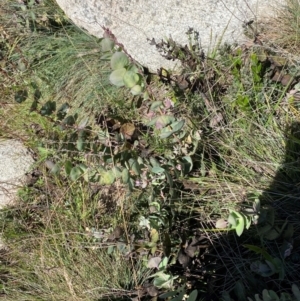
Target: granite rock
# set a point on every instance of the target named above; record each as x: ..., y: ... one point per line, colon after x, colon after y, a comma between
x: 15, y: 161
x: 134, y: 21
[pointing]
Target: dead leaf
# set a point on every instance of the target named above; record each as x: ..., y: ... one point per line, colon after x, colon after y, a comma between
x: 221, y: 223
x: 152, y: 291
x: 181, y: 82
x: 217, y: 118
x: 190, y: 185
x: 127, y: 129
x: 116, y: 234
x: 284, y: 79
x: 154, y: 262
x: 191, y: 250
x: 183, y: 259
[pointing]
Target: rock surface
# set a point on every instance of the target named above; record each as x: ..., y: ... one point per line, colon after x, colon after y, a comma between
x: 15, y: 161
x: 133, y: 21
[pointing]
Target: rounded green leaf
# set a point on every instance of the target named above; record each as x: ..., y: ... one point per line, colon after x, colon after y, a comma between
x: 163, y: 281
x: 136, y: 90
x: 155, y: 105
x: 68, y: 167
x: 117, y: 172
x: 133, y: 68
x: 107, y: 44
x: 247, y: 222
x: 130, y: 79
x: 163, y: 264
x: 106, y: 56
x: 188, y: 162
x: 154, y: 162
x: 140, y: 160
x: 107, y: 178
x: 193, y: 296
x: 264, y: 229
x: 48, y: 108
x: 125, y: 176
x: 62, y: 111
x: 165, y: 133
x: 136, y: 168
x: 119, y: 60
x: 75, y: 173
x: 69, y: 120
x: 146, y: 95
x: 272, y: 234
x: 21, y: 96
x: 239, y: 229
x: 163, y: 121
x: 157, y: 170
x: 296, y: 291
x: 131, y: 184
x: 84, y: 169
x: 116, y: 77
x: 152, y: 121
x: 232, y: 219
x: 83, y: 166
x: 177, y: 126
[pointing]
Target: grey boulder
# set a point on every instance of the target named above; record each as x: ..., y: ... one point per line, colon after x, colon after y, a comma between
x: 15, y: 162
x: 134, y: 22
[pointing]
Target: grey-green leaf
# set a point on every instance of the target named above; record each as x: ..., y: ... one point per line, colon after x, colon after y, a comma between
x: 107, y: 44
x: 296, y: 291
x: 188, y: 163
x: 146, y: 95
x: 107, y: 178
x: 119, y: 60
x: 157, y: 170
x: 153, y: 121
x: 136, y: 90
x: 125, y: 176
x: 163, y: 121
x: 136, y: 168
x: 165, y: 133
x: 177, y: 126
x: 117, y: 172
x: 130, y: 79
x: 193, y: 296
x: 133, y: 68
x: 116, y: 77
x: 232, y: 219
x: 154, y: 162
x: 155, y: 105
x: 76, y: 173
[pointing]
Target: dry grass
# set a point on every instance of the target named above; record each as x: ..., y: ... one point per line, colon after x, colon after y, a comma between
x: 52, y: 254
